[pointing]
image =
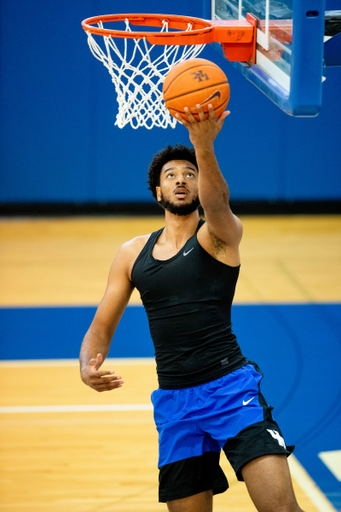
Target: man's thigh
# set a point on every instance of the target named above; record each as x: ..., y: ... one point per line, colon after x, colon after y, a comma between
x: 269, y: 484
x: 202, y: 502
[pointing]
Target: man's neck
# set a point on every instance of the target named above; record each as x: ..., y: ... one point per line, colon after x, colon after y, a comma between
x: 179, y: 228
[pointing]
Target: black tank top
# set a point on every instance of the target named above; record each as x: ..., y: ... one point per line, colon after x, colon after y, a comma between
x: 188, y: 301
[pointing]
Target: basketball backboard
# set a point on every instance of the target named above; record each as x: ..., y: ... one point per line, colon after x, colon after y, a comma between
x: 288, y: 67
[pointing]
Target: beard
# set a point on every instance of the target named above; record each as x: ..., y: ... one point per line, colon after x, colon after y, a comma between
x: 179, y: 209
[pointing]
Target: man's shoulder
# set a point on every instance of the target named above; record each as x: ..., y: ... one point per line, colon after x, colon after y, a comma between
x: 127, y: 254
x: 134, y: 246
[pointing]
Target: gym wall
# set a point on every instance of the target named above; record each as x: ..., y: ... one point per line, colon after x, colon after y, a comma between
x: 58, y: 107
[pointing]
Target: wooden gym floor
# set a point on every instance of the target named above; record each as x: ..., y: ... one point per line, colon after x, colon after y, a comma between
x: 85, y: 460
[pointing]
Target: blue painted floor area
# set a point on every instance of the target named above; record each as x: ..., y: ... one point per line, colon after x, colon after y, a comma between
x: 298, y: 347
x: 57, y: 333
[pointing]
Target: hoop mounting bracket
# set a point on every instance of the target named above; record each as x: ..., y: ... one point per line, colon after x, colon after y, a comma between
x: 243, y: 50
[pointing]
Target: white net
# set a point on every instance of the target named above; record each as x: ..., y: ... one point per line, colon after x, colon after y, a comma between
x: 138, y: 70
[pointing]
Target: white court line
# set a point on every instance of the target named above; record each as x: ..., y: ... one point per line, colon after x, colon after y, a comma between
x: 74, y: 408
x: 332, y: 459
x: 309, y: 486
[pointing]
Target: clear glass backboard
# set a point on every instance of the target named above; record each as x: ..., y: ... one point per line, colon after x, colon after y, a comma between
x: 289, y: 53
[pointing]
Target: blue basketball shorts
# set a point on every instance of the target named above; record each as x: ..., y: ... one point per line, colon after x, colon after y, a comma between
x: 195, y: 424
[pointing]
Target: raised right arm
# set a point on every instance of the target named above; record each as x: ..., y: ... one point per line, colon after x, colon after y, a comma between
x: 96, y: 343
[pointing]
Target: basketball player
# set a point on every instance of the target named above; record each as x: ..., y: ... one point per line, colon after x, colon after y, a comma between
x: 209, y: 395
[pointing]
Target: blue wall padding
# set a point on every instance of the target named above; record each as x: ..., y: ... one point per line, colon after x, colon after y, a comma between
x: 58, y: 142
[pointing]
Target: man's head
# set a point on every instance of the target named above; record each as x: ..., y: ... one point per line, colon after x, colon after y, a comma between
x: 172, y: 178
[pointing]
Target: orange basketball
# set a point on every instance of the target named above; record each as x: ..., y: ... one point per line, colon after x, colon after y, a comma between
x: 196, y: 81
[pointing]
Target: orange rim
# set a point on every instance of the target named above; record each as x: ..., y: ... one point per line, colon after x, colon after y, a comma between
x: 200, y: 27
x: 238, y: 36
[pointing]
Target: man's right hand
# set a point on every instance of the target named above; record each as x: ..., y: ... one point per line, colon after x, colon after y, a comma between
x: 100, y: 380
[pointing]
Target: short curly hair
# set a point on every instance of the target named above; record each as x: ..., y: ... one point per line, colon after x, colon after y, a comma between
x: 177, y: 152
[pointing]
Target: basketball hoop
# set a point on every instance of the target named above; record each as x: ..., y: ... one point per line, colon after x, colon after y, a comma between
x: 138, y: 67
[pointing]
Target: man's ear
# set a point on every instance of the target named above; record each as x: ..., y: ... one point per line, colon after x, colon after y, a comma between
x: 158, y: 193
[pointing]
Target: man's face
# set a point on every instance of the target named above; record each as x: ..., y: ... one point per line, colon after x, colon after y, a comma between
x: 178, y: 190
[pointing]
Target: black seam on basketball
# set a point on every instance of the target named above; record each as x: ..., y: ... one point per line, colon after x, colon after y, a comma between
x: 195, y: 90
x: 187, y: 69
